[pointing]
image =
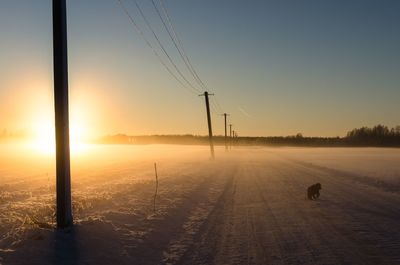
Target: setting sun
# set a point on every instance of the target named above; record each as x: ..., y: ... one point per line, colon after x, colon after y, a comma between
x: 43, y: 131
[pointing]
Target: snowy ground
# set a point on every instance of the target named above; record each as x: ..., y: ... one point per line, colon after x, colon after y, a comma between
x: 247, y: 207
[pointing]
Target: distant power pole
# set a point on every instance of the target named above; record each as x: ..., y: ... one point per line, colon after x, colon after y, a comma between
x: 63, y: 183
x: 230, y: 135
x: 210, y: 134
x: 226, y: 140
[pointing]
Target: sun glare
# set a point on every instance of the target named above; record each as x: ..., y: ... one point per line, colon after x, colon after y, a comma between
x: 44, y: 137
x: 42, y: 128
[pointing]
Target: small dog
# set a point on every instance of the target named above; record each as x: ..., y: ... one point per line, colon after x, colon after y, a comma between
x: 313, y: 191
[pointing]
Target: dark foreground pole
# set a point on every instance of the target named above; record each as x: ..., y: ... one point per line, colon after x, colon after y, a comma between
x: 210, y: 134
x: 64, y: 212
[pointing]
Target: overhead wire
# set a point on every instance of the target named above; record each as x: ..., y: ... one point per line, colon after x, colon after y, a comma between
x: 218, y: 105
x: 177, y: 42
x: 213, y: 109
x: 181, y: 50
x: 148, y: 43
x: 214, y: 106
x: 180, y: 43
x: 179, y: 46
x: 162, y: 46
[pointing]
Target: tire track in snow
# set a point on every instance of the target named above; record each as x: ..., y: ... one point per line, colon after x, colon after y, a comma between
x: 235, y: 233
x: 263, y: 218
x: 371, y: 214
x: 372, y: 237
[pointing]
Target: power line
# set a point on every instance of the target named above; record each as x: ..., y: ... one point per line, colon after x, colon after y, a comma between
x: 163, y: 48
x: 214, y: 108
x: 217, y: 105
x: 148, y: 43
x: 175, y: 38
x: 177, y: 42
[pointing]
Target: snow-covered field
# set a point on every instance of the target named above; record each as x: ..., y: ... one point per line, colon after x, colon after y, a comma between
x: 246, y: 207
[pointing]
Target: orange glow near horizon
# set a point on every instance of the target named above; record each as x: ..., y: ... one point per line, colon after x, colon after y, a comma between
x: 43, y: 140
x: 40, y: 109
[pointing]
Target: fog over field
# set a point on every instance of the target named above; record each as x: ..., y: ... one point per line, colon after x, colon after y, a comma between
x: 248, y: 206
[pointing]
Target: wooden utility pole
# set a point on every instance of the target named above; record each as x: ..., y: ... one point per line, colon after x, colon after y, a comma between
x: 226, y: 140
x: 230, y: 135
x: 210, y: 134
x: 63, y: 183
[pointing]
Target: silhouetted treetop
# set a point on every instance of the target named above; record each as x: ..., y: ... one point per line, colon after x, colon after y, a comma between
x: 378, y: 135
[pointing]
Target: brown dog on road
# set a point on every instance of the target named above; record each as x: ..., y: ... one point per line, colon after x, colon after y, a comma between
x: 313, y: 191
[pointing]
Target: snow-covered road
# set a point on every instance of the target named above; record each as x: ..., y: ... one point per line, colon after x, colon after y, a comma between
x: 263, y: 218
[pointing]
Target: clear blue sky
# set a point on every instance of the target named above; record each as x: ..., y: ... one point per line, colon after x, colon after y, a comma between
x: 279, y: 67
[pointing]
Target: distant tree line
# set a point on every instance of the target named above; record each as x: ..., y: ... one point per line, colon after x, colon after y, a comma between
x: 295, y: 140
x: 379, y: 136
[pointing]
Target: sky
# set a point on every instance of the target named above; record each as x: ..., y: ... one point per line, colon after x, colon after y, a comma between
x: 320, y: 68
